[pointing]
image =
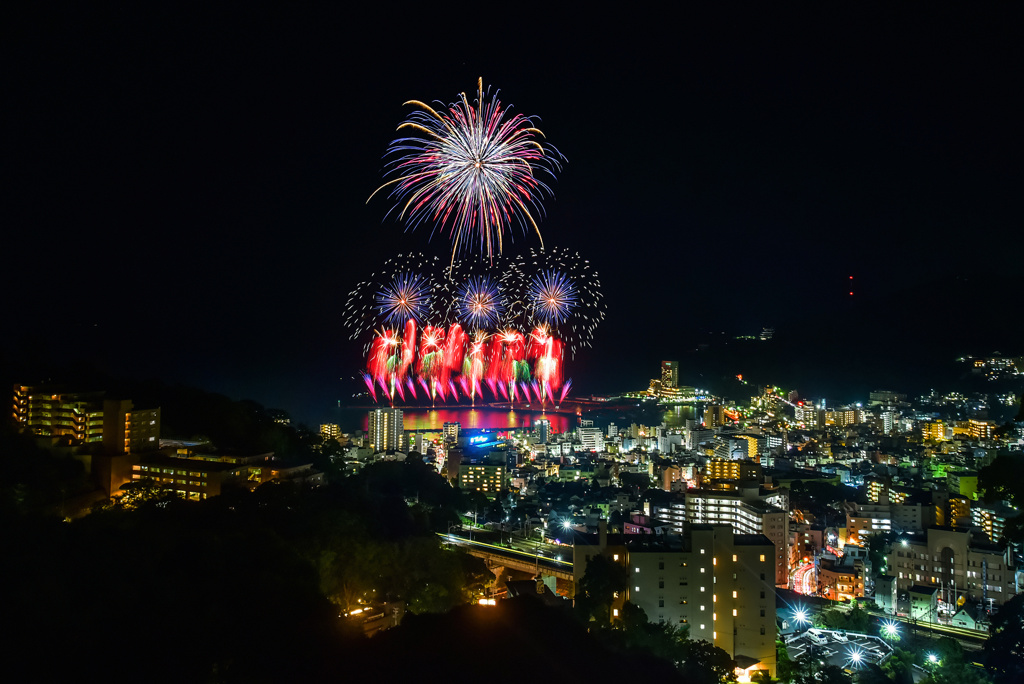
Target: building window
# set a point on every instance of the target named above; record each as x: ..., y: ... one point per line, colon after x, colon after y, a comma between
x: 762, y: 612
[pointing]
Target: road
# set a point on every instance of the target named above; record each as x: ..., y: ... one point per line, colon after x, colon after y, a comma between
x: 803, y: 580
x: 539, y: 557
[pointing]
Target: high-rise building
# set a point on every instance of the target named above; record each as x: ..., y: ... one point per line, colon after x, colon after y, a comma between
x: 451, y: 432
x: 330, y: 431
x: 670, y: 374
x: 592, y: 439
x: 541, y: 429
x: 386, y: 428
x: 746, y: 515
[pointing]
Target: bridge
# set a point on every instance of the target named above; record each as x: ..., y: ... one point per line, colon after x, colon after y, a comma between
x: 514, y: 559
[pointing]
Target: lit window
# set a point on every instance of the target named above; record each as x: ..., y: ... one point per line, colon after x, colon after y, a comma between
x: 734, y: 593
x: 734, y: 612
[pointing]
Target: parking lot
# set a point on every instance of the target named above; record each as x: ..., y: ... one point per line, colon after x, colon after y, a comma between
x: 844, y: 649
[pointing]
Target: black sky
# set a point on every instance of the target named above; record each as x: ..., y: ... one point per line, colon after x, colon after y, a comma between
x: 185, y: 190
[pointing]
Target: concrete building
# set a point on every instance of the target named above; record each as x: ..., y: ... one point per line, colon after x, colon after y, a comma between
x: 841, y: 581
x: 746, y: 513
x: 451, y: 432
x: 542, y: 430
x: 717, y: 584
x: 87, y: 418
x: 488, y: 478
x: 386, y: 429
x: 592, y: 439
x: 960, y: 563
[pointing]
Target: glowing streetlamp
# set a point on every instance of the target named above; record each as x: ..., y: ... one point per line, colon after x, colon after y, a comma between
x: 891, y: 630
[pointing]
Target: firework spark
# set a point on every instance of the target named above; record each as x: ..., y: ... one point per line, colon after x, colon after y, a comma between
x: 470, y: 170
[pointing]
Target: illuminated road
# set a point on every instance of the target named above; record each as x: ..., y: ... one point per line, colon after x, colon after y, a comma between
x: 524, y: 558
x: 803, y: 580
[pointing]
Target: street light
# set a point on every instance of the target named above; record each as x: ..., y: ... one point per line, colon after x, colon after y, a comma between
x: 800, y: 616
x: 891, y: 630
x: 933, y: 659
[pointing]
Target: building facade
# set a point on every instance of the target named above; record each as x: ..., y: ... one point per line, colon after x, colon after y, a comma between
x: 718, y: 585
x: 386, y: 428
x: 960, y: 563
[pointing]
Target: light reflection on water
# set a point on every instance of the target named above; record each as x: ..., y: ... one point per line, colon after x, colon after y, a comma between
x: 491, y: 419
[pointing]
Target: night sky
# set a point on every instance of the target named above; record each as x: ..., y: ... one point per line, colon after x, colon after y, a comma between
x: 184, y: 193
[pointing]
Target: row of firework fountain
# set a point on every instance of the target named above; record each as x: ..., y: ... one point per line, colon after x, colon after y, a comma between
x: 452, y: 364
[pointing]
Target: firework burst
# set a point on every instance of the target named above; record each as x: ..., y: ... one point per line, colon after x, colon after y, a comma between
x: 552, y: 296
x: 470, y: 170
x: 406, y: 298
x: 479, y: 302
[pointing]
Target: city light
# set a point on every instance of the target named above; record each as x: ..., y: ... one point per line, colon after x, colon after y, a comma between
x: 856, y: 657
x: 933, y: 659
x: 800, y: 616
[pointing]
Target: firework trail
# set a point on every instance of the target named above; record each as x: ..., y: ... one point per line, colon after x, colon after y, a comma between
x: 470, y: 170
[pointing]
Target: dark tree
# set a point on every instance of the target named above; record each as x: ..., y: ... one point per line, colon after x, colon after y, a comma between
x: 597, y: 588
x: 1004, y: 650
x: 705, y: 663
